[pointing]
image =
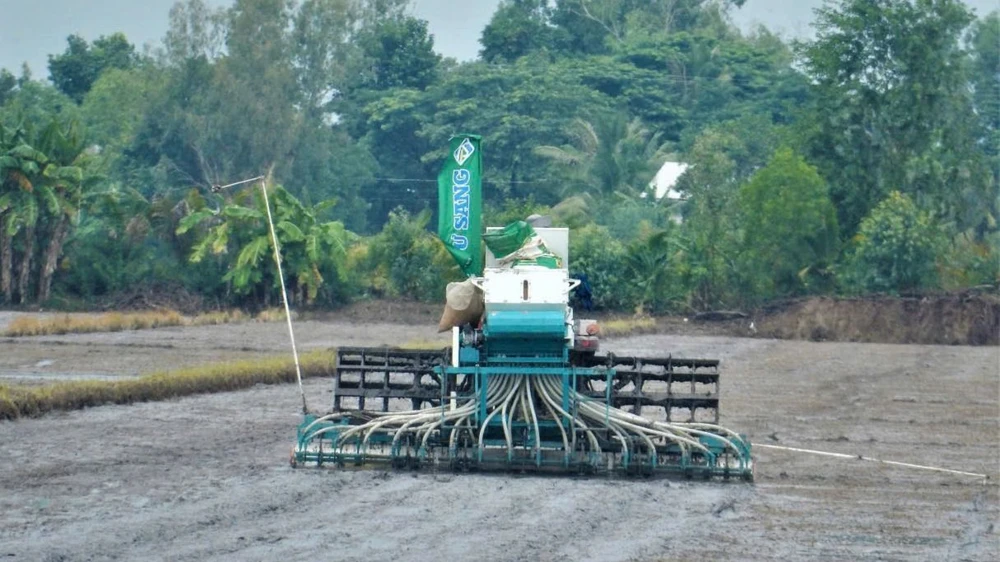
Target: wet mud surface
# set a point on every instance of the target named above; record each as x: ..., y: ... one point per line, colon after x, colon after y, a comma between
x: 207, y: 477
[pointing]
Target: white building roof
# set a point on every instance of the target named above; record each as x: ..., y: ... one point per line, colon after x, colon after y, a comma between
x: 666, y: 178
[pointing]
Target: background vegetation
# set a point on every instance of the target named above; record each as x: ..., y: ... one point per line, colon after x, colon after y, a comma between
x: 867, y: 159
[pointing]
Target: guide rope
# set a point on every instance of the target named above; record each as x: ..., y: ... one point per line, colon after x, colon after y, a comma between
x: 869, y: 459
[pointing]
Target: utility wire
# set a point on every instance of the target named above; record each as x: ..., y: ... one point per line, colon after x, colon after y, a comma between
x: 423, y: 180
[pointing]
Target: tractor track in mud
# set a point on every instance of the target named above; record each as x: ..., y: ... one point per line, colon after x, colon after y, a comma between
x: 207, y: 478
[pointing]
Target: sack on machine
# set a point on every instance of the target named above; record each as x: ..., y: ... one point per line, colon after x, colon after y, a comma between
x: 463, y: 304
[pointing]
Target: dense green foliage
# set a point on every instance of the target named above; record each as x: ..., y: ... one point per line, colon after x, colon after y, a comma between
x: 867, y: 159
x: 405, y: 260
x: 789, y: 227
x: 894, y: 248
x: 313, y: 253
x: 893, y: 110
x: 75, y: 71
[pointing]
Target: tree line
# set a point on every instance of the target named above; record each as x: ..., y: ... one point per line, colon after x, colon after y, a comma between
x: 864, y: 160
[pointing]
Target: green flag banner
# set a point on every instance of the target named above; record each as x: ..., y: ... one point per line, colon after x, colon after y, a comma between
x: 460, y: 203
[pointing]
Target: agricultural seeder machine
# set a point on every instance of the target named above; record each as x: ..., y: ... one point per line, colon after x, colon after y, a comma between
x: 524, y: 385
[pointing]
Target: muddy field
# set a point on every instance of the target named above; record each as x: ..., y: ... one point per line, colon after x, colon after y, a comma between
x: 207, y: 477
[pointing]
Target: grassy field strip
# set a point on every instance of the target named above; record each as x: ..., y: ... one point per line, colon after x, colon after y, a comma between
x: 20, y: 401
x: 122, y: 321
x: 627, y: 326
x: 426, y: 344
x: 20, y: 377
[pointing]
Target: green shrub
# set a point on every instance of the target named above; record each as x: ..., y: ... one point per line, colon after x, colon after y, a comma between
x: 895, y: 249
x: 407, y: 260
x: 594, y: 252
x: 968, y: 262
x: 789, y: 228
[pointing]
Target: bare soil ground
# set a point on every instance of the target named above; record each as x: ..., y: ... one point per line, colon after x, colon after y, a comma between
x: 207, y: 477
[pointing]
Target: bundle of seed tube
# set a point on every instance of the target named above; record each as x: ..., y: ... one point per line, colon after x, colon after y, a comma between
x: 527, y: 399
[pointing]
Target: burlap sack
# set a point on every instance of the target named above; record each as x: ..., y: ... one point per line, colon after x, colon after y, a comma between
x: 463, y: 303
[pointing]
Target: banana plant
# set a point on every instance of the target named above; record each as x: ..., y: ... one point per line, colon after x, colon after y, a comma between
x: 65, y: 179
x: 21, y: 167
x: 649, y: 261
x: 237, y: 232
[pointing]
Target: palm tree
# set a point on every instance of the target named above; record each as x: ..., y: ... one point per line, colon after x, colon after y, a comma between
x: 21, y: 166
x: 611, y: 156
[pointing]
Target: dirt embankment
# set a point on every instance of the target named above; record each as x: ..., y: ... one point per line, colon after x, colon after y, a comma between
x: 966, y: 319
x: 956, y: 319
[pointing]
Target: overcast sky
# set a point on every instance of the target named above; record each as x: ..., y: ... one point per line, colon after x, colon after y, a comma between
x: 32, y: 29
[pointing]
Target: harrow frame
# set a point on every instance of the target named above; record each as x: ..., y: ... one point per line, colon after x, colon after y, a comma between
x: 378, y: 379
